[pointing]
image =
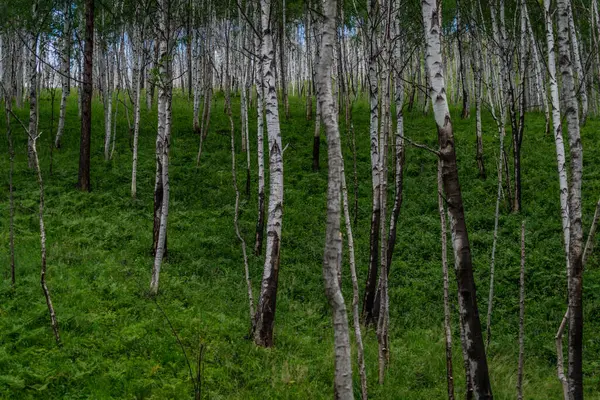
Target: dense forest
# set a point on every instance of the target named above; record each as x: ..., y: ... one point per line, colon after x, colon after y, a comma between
x: 299, y: 199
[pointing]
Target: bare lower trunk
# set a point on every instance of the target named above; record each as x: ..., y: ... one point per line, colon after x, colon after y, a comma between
x: 521, y: 317
x: 11, y: 157
x: 473, y: 339
x: 137, y: 96
x: 360, y: 352
x: 447, y: 316
x: 317, y: 139
x: 235, y: 220
x: 33, y: 88
x: 84, y: 183
x: 260, y: 224
x: 163, y: 138
x: 36, y: 165
x: 371, y: 284
x: 494, y: 243
x: 65, y: 59
x: 265, y: 314
x: 575, y: 284
x: 332, y: 259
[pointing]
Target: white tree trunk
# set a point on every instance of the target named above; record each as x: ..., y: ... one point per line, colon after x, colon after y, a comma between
x: 333, y: 239
x: 65, y: 68
x: 473, y: 340
x: 265, y: 315
x: 137, y: 83
x: 32, y: 78
x: 575, y: 374
x: 165, y: 89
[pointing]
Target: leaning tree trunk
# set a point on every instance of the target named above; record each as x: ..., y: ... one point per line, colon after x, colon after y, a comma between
x: 469, y: 314
x: 265, y: 314
x: 332, y: 260
x: 575, y: 285
x: 163, y: 136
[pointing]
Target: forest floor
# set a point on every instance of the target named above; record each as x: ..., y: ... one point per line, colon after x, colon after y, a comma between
x: 118, y: 342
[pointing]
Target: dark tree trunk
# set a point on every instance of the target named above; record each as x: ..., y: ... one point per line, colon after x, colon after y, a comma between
x: 158, y: 203
x: 464, y: 266
x: 86, y: 100
x: 368, y: 315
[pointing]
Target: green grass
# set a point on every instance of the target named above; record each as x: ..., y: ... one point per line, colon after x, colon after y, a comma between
x: 118, y: 344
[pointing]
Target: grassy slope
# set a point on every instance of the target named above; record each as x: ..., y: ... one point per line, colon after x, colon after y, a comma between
x: 117, y: 343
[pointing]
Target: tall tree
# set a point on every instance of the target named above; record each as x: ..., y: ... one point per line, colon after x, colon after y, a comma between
x: 86, y: 100
x: 469, y: 314
x: 575, y: 283
x: 332, y: 260
x: 265, y: 313
x: 65, y: 62
x: 163, y: 139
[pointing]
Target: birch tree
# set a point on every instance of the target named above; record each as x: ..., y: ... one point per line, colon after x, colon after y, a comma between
x: 163, y: 137
x: 84, y: 183
x: 574, y: 275
x: 65, y: 60
x: 469, y: 314
x: 265, y: 313
x: 332, y: 261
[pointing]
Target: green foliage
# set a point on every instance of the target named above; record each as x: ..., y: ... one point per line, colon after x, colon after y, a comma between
x: 117, y: 343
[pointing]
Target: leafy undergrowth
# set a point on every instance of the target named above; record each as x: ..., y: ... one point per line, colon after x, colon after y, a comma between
x: 118, y: 343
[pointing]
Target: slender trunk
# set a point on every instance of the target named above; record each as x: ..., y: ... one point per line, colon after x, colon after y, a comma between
x: 282, y: 62
x: 137, y: 80
x: 36, y: 165
x: 371, y: 284
x: 521, y: 317
x: 575, y: 284
x: 494, y: 243
x: 447, y: 316
x: 236, y: 216
x: 360, y: 352
x: 581, y: 88
x: 477, y: 78
x: 466, y: 112
x: 65, y: 66
x: 86, y: 100
x: 469, y: 313
x: 11, y: 158
x: 333, y: 239
x: 163, y: 137
x: 260, y: 224
x: 33, y: 87
x: 265, y: 314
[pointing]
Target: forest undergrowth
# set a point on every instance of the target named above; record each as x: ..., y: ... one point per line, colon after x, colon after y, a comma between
x: 120, y: 343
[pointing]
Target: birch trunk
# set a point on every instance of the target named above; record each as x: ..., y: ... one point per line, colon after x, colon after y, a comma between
x: 260, y: 95
x: 32, y: 42
x: 563, y: 183
x: 137, y: 80
x: 447, y: 316
x: 371, y: 284
x: 333, y: 239
x: 163, y: 136
x: 581, y: 88
x: 65, y: 67
x: 575, y: 374
x: 521, y: 317
x: 86, y: 100
x: 469, y: 313
x: 265, y: 314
